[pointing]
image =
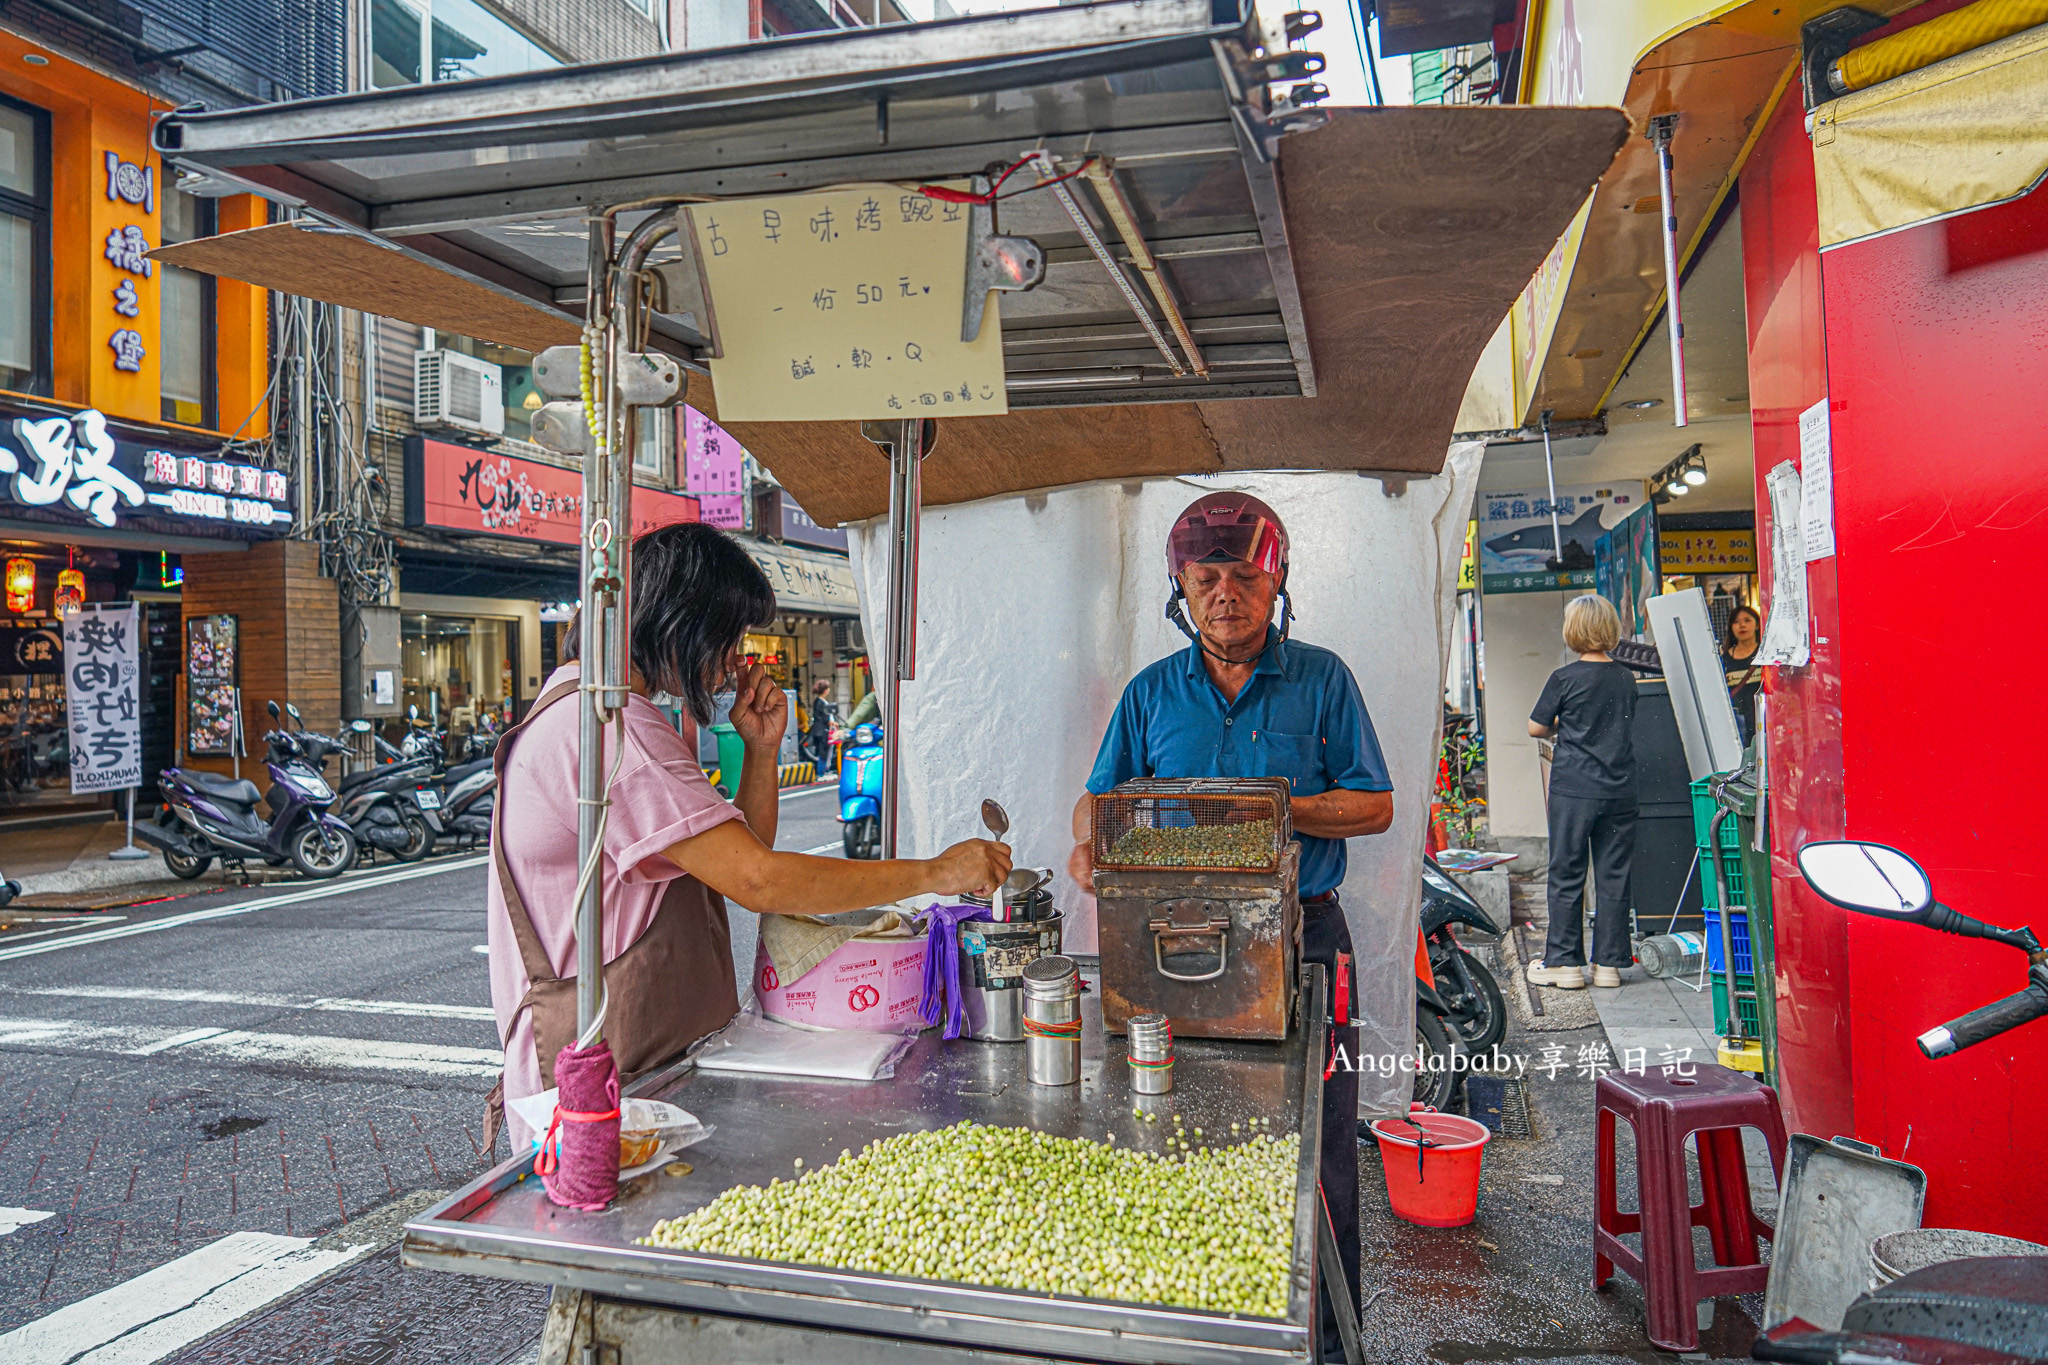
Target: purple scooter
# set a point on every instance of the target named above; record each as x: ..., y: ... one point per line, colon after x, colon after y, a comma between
x: 206, y: 817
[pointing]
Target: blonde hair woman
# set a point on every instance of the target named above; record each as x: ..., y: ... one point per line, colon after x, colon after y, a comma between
x: 1589, y: 707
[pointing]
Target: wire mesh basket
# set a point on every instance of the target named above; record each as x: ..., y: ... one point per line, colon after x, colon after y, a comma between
x: 1200, y: 824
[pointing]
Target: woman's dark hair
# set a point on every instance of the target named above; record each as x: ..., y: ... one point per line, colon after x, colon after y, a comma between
x: 695, y: 593
x: 1751, y: 612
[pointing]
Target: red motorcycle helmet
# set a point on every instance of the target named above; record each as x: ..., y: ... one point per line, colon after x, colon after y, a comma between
x: 1218, y: 528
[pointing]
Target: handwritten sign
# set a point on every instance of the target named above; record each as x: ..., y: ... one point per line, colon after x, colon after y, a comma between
x: 845, y: 305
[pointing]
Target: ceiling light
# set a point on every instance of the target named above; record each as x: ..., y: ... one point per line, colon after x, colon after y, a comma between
x: 1696, y: 475
x: 1641, y: 404
x: 35, y: 59
x: 1677, y: 490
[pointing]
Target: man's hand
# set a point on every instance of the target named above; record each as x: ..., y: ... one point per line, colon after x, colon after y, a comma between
x: 975, y: 865
x: 760, y: 712
x: 1081, y: 862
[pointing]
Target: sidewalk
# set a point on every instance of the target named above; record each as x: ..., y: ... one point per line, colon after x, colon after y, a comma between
x: 70, y: 859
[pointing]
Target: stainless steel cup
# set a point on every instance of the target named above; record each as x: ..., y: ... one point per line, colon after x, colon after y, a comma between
x: 1149, y: 1043
x: 1052, y: 1022
x: 993, y: 957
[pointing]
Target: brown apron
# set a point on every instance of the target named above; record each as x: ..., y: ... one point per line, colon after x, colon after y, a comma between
x: 670, y: 987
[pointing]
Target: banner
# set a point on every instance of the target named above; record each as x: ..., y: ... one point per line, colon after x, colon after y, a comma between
x: 452, y: 487
x: 101, y: 680
x: 1519, y: 551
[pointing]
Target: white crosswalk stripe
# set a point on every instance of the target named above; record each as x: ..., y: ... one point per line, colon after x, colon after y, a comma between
x: 241, y: 1045
x: 166, y: 1309
x: 13, y: 1220
x: 340, y: 1004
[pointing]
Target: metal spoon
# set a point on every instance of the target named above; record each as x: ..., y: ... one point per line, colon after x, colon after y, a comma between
x: 1024, y: 881
x: 998, y: 822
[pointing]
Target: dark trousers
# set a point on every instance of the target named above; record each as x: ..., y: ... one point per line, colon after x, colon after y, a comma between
x: 1583, y: 829
x: 1324, y: 934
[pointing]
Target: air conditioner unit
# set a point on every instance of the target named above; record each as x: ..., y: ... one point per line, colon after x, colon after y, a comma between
x: 451, y: 389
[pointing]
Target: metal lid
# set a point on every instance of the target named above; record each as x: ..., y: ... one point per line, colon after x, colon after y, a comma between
x: 1052, y: 978
x: 1149, y: 1033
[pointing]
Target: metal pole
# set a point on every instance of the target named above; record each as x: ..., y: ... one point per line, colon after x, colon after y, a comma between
x: 1661, y: 129
x: 1550, y: 473
x: 906, y: 498
x: 594, y: 651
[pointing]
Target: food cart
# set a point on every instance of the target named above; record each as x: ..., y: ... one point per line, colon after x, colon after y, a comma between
x: 1261, y: 284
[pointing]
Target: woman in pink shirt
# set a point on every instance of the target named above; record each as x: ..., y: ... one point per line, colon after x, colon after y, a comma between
x: 674, y: 849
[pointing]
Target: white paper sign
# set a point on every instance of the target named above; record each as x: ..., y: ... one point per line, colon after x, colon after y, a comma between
x: 1785, y: 629
x: 103, y: 698
x: 1817, y: 482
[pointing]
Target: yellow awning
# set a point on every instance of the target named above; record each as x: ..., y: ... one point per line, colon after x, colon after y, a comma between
x: 1961, y: 134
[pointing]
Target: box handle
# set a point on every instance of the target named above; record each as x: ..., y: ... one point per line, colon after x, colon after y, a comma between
x: 1163, y: 928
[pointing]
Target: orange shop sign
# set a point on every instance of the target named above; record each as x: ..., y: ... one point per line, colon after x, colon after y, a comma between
x: 449, y: 487
x: 1703, y: 552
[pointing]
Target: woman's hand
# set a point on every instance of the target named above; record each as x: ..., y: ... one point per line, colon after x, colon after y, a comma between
x: 760, y: 711
x: 975, y: 865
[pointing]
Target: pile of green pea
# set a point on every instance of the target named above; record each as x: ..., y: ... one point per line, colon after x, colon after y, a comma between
x: 1203, y: 1227
x: 1248, y: 844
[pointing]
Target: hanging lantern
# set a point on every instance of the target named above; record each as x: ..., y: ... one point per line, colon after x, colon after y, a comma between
x: 21, y: 585
x: 70, y: 591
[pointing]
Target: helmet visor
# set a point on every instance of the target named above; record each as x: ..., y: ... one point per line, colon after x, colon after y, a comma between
x: 1253, y: 539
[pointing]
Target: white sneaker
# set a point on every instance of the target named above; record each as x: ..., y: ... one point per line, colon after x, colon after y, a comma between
x: 1606, y: 976
x: 1564, y: 978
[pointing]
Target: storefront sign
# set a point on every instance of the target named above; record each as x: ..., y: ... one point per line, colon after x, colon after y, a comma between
x: 29, y: 648
x: 460, y: 488
x: 1522, y: 550
x: 75, y: 462
x: 798, y: 527
x: 714, y: 468
x: 101, y: 692
x: 806, y: 580
x: 1468, y: 563
x: 1703, y: 552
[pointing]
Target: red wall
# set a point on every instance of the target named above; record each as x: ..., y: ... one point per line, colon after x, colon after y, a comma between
x: 1918, y: 722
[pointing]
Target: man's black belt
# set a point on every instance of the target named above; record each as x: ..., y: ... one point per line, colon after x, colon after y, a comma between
x: 1327, y: 898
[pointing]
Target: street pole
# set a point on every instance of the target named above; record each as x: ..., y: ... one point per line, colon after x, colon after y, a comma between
x: 594, y: 654
x: 1550, y: 474
x: 906, y: 505
x: 1662, y: 129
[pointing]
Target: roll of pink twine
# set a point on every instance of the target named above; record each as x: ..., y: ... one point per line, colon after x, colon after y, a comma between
x: 578, y: 1161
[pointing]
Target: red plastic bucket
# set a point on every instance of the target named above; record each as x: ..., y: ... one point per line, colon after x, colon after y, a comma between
x: 1432, y: 1163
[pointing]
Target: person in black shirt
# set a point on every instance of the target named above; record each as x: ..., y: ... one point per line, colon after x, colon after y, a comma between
x: 1589, y: 707
x: 1739, y: 664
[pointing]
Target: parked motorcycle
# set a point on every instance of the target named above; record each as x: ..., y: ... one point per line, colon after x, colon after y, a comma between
x: 468, y: 795
x: 860, y: 793
x: 1987, y: 1310
x: 381, y: 804
x: 1473, y: 1008
x: 204, y: 817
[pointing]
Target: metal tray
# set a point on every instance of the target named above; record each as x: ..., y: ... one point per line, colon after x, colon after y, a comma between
x: 503, y: 1226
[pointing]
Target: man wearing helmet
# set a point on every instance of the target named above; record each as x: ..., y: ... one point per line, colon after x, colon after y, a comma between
x: 1245, y: 700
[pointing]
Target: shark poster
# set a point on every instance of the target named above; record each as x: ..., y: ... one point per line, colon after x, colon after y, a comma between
x: 1518, y: 551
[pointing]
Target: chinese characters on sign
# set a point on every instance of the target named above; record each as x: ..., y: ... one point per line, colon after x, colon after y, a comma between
x: 845, y: 304
x: 1707, y: 552
x: 714, y: 469
x: 100, y: 684
x: 1522, y: 550
x: 127, y: 248
x: 458, y: 488
x: 75, y: 460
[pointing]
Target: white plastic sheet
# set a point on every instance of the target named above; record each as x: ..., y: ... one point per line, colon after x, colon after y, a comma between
x: 1035, y: 610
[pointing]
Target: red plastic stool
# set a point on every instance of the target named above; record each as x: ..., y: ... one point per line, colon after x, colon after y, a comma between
x: 1715, y: 1103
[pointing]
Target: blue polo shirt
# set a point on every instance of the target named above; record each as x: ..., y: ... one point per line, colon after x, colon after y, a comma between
x: 1300, y: 717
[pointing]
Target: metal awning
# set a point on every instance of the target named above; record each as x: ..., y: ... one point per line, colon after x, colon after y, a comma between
x: 1421, y: 225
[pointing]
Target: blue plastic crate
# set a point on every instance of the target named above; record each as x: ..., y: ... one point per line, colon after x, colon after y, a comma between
x: 1738, y: 933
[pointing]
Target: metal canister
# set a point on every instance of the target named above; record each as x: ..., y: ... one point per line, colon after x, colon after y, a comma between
x: 1149, y: 1042
x: 992, y: 961
x: 1052, y: 1021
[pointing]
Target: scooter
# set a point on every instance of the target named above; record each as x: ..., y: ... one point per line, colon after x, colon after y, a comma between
x: 381, y: 804
x: 1473, y: 1008
x: 860, y: 793
x: 204, y: 817
x: 468, y: 797
x: 1990, y: 1310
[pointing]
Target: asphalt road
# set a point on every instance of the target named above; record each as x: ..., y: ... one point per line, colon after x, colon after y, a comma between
x: 194, y: 1094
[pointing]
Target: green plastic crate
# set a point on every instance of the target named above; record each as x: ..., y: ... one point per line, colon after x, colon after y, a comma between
x: 1752, y: 1026
x: 1703, y: 808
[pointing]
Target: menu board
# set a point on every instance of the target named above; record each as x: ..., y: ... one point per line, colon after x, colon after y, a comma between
x: 210, y: 658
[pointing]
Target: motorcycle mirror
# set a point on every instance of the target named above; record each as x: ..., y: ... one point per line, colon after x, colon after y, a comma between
x: 272, y: 707
x: 1871, y: 879
x: 293, y: 712
x: 361, y: 727
x: 412, y: 713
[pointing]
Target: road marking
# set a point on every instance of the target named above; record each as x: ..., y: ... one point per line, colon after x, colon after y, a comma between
x: 794, y: 792
x: 176, y: 1040
x: 13, y: 1220
x: 832, y: 847
x: 339, y: 888
x: 483, y: 947
x: 68, y: 929
x: 300, y: 1049
x: 166, y: 1309
x: 335, y: 1004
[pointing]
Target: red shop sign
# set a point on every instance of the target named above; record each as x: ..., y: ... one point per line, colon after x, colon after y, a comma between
x: 458, y: 488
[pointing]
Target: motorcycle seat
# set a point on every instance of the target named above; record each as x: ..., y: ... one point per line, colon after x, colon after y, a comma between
x: 462, y: 770
x: 378, y: 773
x: 240, y: 790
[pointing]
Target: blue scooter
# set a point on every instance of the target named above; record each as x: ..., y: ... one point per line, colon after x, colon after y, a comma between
x: 860, y: 793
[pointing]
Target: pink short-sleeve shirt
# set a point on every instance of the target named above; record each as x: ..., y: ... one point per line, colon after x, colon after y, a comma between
x: 659, y: 798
